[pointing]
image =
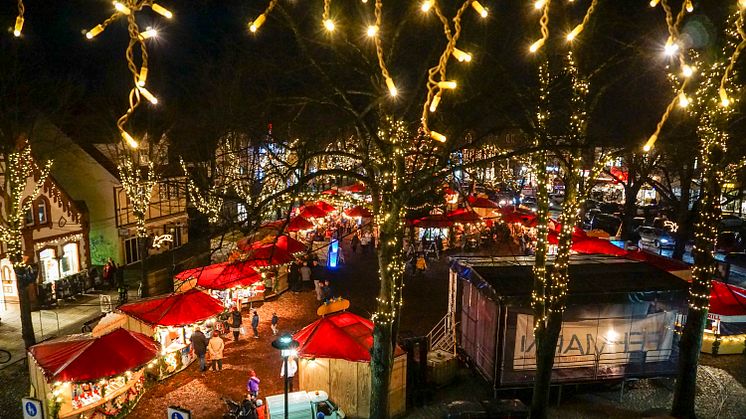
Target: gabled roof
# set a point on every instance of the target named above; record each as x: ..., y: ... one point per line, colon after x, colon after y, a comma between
x: 174, y: 309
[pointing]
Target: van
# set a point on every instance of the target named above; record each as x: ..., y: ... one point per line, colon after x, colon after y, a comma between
x: 303, y: 405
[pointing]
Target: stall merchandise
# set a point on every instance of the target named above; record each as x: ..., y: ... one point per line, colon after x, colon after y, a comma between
x: 170, y: 320
x: 726, y: 333
x: 334, y: 354
x: 90, y: 375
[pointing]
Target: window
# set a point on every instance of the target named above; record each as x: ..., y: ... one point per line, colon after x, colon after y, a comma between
x: 241, y: 213
x: 29, y: 217
x: 69, y: 264
x: 131, y: 251
x: 41, y: 212
x: 175, y: 233
x: 7, y: 281
x: 50, y: 269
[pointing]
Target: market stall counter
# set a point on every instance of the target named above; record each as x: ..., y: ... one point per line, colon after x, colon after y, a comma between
x: 170, y: 321
x: 91, y: 375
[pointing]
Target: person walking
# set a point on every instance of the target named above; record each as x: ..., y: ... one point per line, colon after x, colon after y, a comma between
x: 255, y: 324
x: 252, y: 386
x: 355, y: 242
x: 305, y: 273
x: 274, y: 322
x: 109, y: 274
x: 235, y: 323
x: 294, y: 276
x: 215, y: 348
x: 292, y: 369
x: 199, y: 344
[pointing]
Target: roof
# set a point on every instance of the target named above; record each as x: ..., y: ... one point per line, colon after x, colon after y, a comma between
x: 595, y: 275
x: 728, y: 301
x: 341, y: 335
x: 220, y: 276
x: 174, y: 309
x: 86, y: 358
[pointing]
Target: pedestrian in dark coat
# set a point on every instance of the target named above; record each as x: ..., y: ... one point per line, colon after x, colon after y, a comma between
x: 275, y: 320
x: 235, y: 323
x: 355, y: 242
x: 255, y: 324
x: 199, y: 344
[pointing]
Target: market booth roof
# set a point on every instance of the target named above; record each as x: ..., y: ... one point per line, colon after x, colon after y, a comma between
x: 224, y: 275
x: 433, y: 221
x: 325, y: 206
x: 358, y: 211
x: 312, y: 211
x: 464, y: 216
x: 480, y: 202
x: 342, y: 335
x: 175, y: 309
x: 84, y: 357
x: 354, y: 188
x: 728, y: 301
x: 283, y: 243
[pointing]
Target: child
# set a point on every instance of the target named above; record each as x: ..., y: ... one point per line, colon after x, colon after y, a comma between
x: 253, y: 384
x: 274, y: 322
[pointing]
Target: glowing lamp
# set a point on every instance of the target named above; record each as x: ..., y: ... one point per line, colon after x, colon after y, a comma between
x: 149, y: 96
x: 434, y: 103
x: 479, y: 8
x: 372, y: 30
x: 575, y: 32
x: 538, y: 4
x: 149, y: 33
x: 392, y: 87
x: 536, y: 45
x: 683, y: 100
x: 461, y: 55
x: 687, y: 71
x: 329, y: 25
x: 162, y: 11
x: 94, y: 32
x: 671, y: 47
x: 19, y: 26
x: 447, y: 84
x: 258, y: 22
x: 654, y: 3
x: 132, y: 143
x: 143, y: 76
x: 724, y: 100
x: 122, y: 8
x: 651, y: 141
x: 438, y: 136
x: 426, y: 5
x: 689, y: 6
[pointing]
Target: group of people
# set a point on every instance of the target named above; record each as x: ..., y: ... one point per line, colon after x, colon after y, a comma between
x: 364, y: 240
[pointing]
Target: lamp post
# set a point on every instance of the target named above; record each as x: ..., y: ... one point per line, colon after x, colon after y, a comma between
x: 287, y: 347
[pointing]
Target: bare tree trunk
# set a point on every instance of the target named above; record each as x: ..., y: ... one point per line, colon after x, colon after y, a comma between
x: 684, y: 221
x: 630, y: 210
x: 546, y: 347
x: 24, y: 304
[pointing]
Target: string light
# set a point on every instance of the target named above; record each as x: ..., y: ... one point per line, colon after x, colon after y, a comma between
x: 536, y: 45
x: 576, y: 31
x: 687, y: 71
x: 129, y: 139
x: 426, y: 5
x: 18, y: 28
x: 479, y: 8
x: 450, y: 84
x: 434, y: 103
x: 372, y: 30
x: 438, y: 136
x: 539, y: 4
x: 161, y: 10
x: 461, y: 55
x: 329, y: 25
x: 94, y: 32
x: 391, y: 86
x: 683, y: 100
x: 121, y: 8
x: 148, y: 33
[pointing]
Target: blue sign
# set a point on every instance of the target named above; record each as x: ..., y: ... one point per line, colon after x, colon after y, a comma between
x: 178, y: 413
x: 32, y: 408
x: 333, y: 254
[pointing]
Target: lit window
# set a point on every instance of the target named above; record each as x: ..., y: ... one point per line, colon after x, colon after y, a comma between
x: 50, y: 269
x: 29, y: 217
x: 41, y: 212
x: 69, y: 263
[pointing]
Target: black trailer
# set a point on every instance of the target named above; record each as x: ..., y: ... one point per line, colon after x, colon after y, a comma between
x: 620, y: 321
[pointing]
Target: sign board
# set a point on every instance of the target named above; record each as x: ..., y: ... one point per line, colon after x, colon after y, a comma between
x: 609, y: 343
x: 178, y: 413
x: 105, y: 301
x: 32, y: 408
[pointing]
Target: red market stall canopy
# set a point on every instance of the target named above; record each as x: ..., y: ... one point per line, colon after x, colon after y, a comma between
x: 511, y: 214
x: 87, y: 358
x: 728, y: 302
x: 330, y: 192
x: 433, y: 221
x: 175, y: 309
x: 358, y: 211
x: 593, y: 245
x: 464, y: 216
x: 341, y: 335
x: 221, y: 276
x: 324, y: 206
x: 479, y: 202
x: 355, y: 188
x: 268, y: 255
x: 311, y: 211
x: 284, y: 243
x: 295, y: 224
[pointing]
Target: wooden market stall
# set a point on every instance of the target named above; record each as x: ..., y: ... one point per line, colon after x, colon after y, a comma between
x: 170, y: 321
x: 91, y: 375
x: 726, y: 332
x: 233, y: 283
x: 334, y: 356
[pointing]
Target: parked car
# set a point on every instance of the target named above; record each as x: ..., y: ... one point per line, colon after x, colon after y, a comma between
x: 611, y: 208
x: 658, y: 237
x: 729, y: 242
x: 606, y: 222
x: 730, y: 223
x: 303, y: 405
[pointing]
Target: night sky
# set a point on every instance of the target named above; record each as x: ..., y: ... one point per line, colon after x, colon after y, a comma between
x: 211, y: 75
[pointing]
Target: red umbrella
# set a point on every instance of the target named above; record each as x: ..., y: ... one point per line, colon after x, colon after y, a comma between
x: 221, y: 276
x: 341, y: 335
x: 464, y: 216
x: 268, y: 255
x: 312, y: 211
x: 326, y: 207
x: 358, y: 211
x: 88, y: 358
x: 478, y: 202
x: 174, y: 309
x: 355, y: 188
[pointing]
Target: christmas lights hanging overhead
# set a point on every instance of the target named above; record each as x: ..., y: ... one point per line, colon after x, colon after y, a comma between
x: 128, y: 9
x: 18, y: 28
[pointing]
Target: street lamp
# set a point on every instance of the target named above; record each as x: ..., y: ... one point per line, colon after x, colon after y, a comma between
x: 287, y: 346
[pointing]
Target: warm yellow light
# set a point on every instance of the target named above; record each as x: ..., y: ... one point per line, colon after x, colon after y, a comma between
x: 426, y: 5
x: 19, y: 26
x: 689, y: 6
x: 461, y: 55
x: 149, y: 96
x: 94, y: 32
x: 538, y: 4
x: 258, y: 22
x: 575, y: 32
x: 479, y: 8
x: 372, y: 30
x: 654, y: 3
x: 651, y: 141
x: 329, y: 25
x: 724, y: 100
x: 129, y: 140
x: 447, y: 84
x: 143, y: 76
x: 434, y: 104
x: 162, y: 11
x: 122, y: 8
x: 536, y: 45
x: 671, y: 47
x: 742, y: 4
x: 438, y: 136
x: 149, y: 33
x: 392, y: 87
x: 683, y: 100
x: 687, y: 71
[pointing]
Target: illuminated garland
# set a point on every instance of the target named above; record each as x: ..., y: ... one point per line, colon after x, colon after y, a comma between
x: 127, y: 9
x: 138, y: 183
